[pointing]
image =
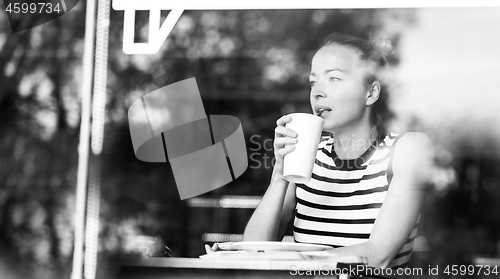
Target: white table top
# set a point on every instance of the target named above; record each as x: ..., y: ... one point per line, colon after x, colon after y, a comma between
x: 249, y: 264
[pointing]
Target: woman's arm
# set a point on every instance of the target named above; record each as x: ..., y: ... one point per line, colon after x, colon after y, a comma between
x: 288, y: 210
x: 278, y: 203
x: 412, y: 165
x: 270, y: 219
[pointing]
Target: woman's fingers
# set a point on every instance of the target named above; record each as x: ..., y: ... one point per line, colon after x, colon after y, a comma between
x: 283, y: 120
x: 284, y: 138
x: 285, y: 150
x: 282, y: 131
x: 284, y: 141
x: 281, y: 142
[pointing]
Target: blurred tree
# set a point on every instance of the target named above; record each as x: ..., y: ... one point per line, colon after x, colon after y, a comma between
x: 38, y: 144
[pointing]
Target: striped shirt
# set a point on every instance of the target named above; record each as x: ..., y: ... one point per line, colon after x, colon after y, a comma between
x: 340, y: 204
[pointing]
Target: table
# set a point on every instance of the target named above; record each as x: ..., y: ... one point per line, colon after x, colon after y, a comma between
x: 156, y: 268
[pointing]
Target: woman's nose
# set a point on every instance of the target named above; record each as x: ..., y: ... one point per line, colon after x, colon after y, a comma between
x: 317, y: 92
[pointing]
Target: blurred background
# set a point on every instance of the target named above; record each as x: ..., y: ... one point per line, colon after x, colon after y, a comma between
x: 445, y: 73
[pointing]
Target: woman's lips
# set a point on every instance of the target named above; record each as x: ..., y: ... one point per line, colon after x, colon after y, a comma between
x: 322, y: 112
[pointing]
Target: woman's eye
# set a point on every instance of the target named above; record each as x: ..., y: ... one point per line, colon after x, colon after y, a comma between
x: 333, y: 79
x: 312, y: 83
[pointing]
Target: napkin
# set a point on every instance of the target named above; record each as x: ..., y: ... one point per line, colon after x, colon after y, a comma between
x: 253, y: 255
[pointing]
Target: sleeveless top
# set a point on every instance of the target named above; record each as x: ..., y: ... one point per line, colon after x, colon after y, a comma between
x: 338, y: 207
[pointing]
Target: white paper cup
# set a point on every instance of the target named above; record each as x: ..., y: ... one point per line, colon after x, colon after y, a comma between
x: 299, y: 163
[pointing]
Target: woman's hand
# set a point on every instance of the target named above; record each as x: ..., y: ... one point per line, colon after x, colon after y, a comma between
x: 227, y: 246
x: 284, y: 142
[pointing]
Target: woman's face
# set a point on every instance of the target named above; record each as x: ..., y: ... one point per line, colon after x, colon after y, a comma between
x: 338, y: 93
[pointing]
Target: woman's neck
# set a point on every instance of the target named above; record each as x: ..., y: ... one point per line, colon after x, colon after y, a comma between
x: 350, y: 144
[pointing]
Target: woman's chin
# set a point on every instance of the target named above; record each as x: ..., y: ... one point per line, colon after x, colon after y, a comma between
x: 328, y: 126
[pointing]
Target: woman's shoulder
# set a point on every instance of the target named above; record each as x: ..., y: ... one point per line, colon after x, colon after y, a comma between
x: 413, y: 156
x: 413, y: 140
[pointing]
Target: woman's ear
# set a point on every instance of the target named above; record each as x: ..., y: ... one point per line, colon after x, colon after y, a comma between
x: 373, y: 93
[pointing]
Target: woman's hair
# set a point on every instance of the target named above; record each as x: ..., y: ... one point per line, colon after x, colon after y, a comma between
x: 374, y: 53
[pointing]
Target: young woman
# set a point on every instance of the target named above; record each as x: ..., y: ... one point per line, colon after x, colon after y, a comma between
x: 367, y: 185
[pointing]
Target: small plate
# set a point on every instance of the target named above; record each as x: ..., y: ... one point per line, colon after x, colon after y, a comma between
x: 278, y: 246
